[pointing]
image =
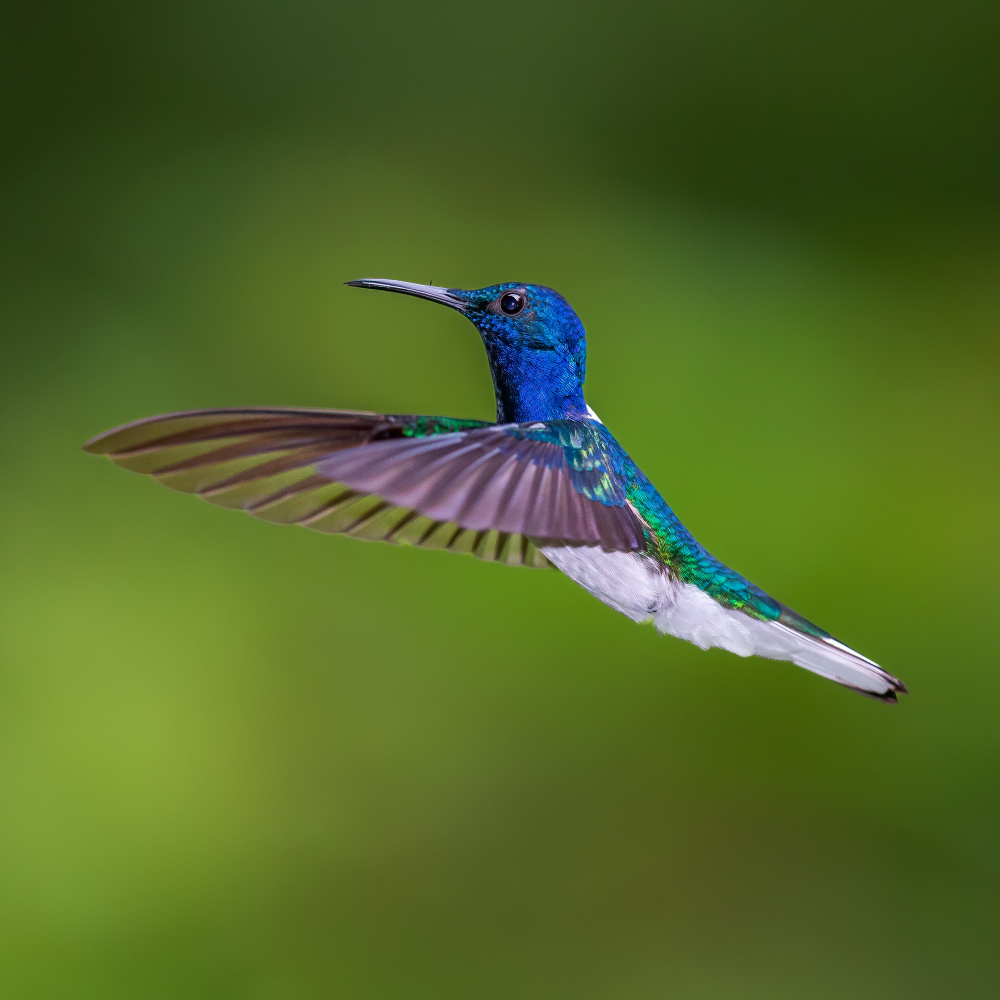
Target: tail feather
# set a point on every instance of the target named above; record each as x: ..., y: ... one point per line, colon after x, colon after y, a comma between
x: 693, y: 615
x: 642, y: 588
x: 830, y: 658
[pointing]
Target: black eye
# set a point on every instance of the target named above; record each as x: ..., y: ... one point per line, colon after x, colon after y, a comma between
x: 512, y: 303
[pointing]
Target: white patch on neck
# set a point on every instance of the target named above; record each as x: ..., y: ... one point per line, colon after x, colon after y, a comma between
x: 592, y: 415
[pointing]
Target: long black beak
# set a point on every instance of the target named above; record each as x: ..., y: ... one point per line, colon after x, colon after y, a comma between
x: 443, y: 295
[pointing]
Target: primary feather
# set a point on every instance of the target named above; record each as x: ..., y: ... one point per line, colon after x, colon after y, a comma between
x: 463, y: 485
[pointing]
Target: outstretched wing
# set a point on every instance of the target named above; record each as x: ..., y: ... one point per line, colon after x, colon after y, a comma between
x: 462, y: 485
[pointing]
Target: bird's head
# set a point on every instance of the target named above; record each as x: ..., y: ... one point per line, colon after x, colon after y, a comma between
x: 535, y: 342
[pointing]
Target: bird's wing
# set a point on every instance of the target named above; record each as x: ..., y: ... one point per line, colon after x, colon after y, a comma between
x: 463, y: 485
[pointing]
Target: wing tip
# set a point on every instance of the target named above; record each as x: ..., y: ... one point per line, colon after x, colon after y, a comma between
x: 93, y: 446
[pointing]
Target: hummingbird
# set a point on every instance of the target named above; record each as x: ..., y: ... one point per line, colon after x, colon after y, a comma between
x: 545, y: 485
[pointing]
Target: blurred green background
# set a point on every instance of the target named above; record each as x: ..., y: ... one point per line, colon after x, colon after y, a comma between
x: 245, y: 761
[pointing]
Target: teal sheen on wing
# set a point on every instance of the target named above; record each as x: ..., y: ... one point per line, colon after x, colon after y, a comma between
x: 547, y: 484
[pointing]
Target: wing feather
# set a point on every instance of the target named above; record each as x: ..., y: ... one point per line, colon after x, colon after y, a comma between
x: 435, y: 482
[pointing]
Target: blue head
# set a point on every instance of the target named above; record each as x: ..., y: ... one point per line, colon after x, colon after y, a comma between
x: 535, y: 343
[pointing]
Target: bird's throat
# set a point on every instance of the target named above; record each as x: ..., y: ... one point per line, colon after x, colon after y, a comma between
x: 540, y: 386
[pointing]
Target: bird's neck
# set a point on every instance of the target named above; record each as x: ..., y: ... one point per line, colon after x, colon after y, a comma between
x: 540, y: 386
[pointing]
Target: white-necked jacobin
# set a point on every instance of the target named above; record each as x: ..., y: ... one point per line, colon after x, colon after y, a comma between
x: 546, y: 485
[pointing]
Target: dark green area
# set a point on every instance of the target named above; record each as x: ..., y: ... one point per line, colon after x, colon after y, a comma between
x: 243, y: 761
x: 422, y: 426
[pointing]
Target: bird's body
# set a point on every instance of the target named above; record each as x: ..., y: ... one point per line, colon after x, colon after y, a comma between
x: 546, y: 484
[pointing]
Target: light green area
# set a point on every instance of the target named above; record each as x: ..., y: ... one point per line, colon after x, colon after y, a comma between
x: 239, y: 760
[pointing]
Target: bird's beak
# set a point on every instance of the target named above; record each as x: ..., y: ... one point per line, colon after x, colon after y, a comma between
x: 445, y: 296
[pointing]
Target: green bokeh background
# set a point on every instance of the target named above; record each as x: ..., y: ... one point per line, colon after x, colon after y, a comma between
x: 245, y: 761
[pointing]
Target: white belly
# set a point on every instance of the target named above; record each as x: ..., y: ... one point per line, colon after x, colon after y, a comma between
x: 643, y: 589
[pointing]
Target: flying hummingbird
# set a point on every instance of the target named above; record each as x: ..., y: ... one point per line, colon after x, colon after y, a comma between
x: 546, y: 485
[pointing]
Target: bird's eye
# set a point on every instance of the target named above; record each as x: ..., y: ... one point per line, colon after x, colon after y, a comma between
x: 512, y: 303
